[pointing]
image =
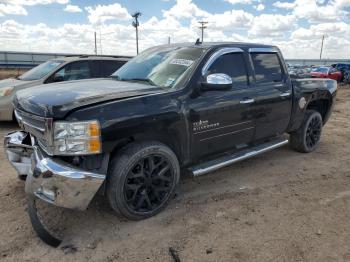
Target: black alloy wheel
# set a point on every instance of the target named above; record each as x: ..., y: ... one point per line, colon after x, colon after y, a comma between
x: 313, y: 132
x: 308, y: 136
x: 148, y: 184
x: 142, y: 179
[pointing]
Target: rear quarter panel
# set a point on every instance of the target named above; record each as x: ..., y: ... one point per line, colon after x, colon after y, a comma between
x: 312, y: 90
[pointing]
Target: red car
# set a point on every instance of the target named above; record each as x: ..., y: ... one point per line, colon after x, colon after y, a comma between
x: 327, y: 72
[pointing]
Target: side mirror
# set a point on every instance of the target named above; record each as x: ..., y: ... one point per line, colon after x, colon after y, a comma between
x: 217, y: 82
x: 58, y: 78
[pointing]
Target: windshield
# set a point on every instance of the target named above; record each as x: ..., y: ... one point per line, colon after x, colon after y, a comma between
x: 321, y: 70
x: 40, y: 70
x: 160, y: 67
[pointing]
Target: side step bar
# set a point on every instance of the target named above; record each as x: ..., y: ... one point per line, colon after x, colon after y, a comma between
x: 216, y: 164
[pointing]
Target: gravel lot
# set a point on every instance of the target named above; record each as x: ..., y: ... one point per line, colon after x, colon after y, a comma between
x: 281, y: 206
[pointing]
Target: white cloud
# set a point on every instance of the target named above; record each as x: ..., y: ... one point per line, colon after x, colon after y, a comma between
x: 271, y: 25
x: 341, y: 3
x: 15, y: 7
x: 317, y: 11
x: 259, y: 7
x: 234, y: 2
x: 9, y: 9
x: 35, y: 2
x: 73, y: 9
x: 185, y: 9
x: 233, y: 19
x: 101, y: 13
x: 340, y: 30
x: 284, y: 5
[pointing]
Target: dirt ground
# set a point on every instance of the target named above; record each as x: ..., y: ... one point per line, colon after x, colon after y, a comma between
x: 7, y: 73
x: 280, y: 206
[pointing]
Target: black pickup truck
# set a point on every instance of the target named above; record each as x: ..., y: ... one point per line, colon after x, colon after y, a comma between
x: 177, y: 108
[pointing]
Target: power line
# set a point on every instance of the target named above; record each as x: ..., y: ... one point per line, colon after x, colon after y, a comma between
x: 95, y: 43
x: 202, y: 27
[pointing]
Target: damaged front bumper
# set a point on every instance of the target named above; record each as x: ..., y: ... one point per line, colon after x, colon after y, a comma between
x: 49, y: 178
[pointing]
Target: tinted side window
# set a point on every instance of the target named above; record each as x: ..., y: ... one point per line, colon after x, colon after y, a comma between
x: 267, y: 67
x: 75, y: 71
x: 95, y: 66
x: 233, y: 65
x: 109, y: 67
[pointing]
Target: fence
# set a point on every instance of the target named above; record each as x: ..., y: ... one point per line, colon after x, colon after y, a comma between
x: 28, y: 60
x: 25, y: 59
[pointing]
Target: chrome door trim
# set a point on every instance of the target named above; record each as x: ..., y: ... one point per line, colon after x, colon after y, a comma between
x: 247, y: 101
x: 285, y: 94
x: 217, y: 54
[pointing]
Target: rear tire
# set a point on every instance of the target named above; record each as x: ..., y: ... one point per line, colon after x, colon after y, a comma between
x: 142, y: 179
x: 307, y: 137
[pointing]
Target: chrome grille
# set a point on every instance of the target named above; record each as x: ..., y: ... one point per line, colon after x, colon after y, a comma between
x: 39, y: 127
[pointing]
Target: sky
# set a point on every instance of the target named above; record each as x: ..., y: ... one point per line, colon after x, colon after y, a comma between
x: 68, y: 26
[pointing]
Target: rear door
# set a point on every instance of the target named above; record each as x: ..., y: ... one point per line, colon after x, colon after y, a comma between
x: 273, y: 93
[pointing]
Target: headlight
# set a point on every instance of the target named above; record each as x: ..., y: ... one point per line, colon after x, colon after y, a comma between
x: 77, y: 138
x: 5, y: 91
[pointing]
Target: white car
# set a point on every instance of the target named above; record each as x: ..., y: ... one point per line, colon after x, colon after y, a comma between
x: 60, y: 69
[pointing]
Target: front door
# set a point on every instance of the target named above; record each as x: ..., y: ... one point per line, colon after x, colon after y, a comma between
x: 222, y: 120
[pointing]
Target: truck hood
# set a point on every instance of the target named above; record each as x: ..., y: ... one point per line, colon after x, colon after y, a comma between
x: 56, y: 100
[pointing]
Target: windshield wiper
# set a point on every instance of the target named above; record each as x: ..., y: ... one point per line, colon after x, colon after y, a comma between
x: 147, y: 80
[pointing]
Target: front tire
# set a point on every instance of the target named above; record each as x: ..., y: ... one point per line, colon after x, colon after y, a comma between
x: 142, y: 179
x: 307, y: 137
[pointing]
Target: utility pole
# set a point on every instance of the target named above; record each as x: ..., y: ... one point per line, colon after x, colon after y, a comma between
x: 100, y: 42
x: 95, y: 44
x: 202, y: 27
x: 136, y: 24
x: 321, y: 47
x: 168, y: 40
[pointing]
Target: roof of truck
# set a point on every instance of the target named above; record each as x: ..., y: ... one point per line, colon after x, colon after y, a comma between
x: 208, y: 45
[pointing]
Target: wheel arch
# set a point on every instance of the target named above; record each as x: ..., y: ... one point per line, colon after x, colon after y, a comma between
x: 169, y: 139
x: 322, y: 104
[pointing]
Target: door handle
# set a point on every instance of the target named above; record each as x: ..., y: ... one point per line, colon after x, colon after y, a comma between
x: 285, y: 94
x: 247, y: 101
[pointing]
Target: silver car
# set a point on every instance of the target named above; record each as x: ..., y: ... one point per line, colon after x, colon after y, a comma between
x: 60, y: 69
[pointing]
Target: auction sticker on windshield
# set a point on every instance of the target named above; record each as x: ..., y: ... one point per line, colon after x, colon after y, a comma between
x: 183, y: 62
